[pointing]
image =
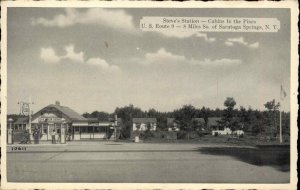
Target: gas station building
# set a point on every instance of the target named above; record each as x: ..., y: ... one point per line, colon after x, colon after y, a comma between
x: 69, y: 124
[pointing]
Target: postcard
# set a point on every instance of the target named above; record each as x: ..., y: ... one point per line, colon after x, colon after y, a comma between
x: 149, y: 95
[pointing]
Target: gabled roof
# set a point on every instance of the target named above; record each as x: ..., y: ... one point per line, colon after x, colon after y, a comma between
x: 144, y: 120
x: 66, y: 111
x: 199, y: 120
x: 69, y: 112
x: 213, y: 121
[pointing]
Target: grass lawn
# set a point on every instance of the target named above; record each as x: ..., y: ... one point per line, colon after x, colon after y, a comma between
x: 247, y: 140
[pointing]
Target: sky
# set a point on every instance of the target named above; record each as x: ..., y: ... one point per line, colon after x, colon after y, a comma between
x: 98, y: 59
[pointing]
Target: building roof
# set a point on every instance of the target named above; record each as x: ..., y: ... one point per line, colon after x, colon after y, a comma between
x: 22, y: 120
x: 97, y: 120
x: 144, y: 120
x: 66, y: 111
x: 69, y: 112
x: 199, y: 120
x: 213, y: 121
x: 92, y: 119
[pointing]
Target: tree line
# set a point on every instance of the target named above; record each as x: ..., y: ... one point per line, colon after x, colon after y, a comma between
x: 249, y: 120
x: 256, y: 122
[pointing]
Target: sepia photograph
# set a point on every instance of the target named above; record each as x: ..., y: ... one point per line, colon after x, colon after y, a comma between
x: 100, y: 95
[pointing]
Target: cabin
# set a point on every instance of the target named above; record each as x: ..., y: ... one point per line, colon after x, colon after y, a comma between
x: 217, y: 129
x: 172, y: 124
x: 142, y: 124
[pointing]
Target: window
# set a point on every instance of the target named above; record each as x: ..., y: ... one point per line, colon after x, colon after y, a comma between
x: 76, y: 129
x: 221, y: 128
x: 83, y: 129
x: 90, y: 129
x: 44, y: 129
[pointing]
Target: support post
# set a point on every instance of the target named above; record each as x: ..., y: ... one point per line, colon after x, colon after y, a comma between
x: 116, y: 123
x: 62, y: 134
x: 29, y: 115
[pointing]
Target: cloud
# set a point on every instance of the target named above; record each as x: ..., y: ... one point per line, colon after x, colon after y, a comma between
x: 77, y: 57
x: 164, y: 57
x: 229, y: 43
x: 254, y: 45
x: 241, y: 41
x: 103, y: 64
x: 175, y: 33
x: 185, y: 34
x: 116, y: 19
x: 206, y: 38
x: 48, y: 55
x: 217, y: 62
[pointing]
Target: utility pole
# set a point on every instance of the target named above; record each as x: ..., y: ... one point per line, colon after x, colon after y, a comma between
x: 280, y: 126
x: 25, y: 107
x: 282, y: 96
x: 30, y: 136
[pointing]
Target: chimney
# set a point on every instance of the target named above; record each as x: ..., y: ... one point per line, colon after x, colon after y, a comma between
x: 57, y: 103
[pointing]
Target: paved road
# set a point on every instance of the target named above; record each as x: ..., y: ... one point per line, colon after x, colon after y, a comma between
x: 133, y: 163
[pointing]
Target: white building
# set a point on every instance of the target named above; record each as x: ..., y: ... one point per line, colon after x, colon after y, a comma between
x: 141, y: 124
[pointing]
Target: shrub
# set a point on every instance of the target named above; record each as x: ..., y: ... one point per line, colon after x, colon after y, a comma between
x: 147, y: 134
x: 200, y: 133
x: 171, y: 135
x: 157, y: 134
x: 181, y: 135
x: 194, y: 135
